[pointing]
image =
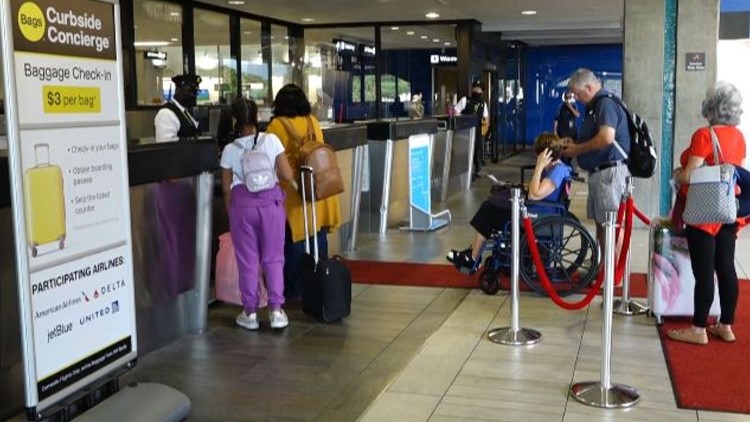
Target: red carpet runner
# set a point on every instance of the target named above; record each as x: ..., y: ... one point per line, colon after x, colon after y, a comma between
x: 713, y: 377
x: 441, y: 275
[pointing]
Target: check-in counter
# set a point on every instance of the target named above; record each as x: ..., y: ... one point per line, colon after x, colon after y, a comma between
x: 171, y: 185
x: 460, y: 140
x: 385, y: 201
x: 350, y: 142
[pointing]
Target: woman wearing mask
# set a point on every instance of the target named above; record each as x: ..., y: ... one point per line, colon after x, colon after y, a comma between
x: 475, y: 105
x: 292, y: 106
x: 256, y: 219
x: 712, y: 246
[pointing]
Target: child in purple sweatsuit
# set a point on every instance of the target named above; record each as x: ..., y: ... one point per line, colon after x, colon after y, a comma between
x: 256, y: 219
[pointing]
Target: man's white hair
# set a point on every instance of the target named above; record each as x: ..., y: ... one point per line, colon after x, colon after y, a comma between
x: 581, y: 78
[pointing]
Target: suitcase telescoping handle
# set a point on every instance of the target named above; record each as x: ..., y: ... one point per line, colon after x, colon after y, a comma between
x: 309, y: 171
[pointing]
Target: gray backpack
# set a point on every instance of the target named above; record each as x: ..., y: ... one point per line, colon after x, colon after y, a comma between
x: 257, y: 170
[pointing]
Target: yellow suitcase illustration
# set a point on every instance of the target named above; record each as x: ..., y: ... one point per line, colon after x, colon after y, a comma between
x: 45, y: 202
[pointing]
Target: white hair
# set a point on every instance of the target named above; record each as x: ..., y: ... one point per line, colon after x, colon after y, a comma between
x: 581, y: 78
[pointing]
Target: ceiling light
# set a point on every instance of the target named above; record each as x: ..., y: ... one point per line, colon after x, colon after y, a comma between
x: 528, y: 12
x: 174, y: 13
x: 248, y: 32
x: 394, y: 28
x: 424, y: 37
x: 409, y: 32
x: 447, y: 43
x: 432, y: 15
x: 436, y: 40
x: 150, y: 43
x: 236, y: 2
x: 308, y: 19
x: 174, y: 39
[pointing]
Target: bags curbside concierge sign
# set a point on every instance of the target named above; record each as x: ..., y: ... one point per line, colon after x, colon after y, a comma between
x: 61, y: 27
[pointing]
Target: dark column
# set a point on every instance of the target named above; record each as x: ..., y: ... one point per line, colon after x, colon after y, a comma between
x: 464, y: 42
x: 188, y: 38
x: 235, y: 51
x: 379, y: 70
x: 297, y: 53
x: 127, y: 23
x: 265, y: 47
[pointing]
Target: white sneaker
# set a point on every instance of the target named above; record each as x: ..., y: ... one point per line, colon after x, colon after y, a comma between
x: 278, y: 319
x: 249, y: 322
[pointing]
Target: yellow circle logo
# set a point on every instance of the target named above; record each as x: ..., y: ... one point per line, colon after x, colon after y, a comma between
x: 31, y: 21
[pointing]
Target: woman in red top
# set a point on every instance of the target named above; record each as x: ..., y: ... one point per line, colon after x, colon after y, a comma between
x: 712, y: 246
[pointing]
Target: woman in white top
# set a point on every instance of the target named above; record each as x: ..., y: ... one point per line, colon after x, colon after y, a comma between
x: 256, y: 219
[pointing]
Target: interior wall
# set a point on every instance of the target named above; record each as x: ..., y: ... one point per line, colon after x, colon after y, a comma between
x: 548, y: 70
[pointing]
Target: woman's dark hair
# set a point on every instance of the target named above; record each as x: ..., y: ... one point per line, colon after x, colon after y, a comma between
x: 291, y: 101
x: 245, y: 112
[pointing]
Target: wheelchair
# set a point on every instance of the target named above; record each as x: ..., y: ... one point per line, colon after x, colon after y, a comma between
x: 569, y: 252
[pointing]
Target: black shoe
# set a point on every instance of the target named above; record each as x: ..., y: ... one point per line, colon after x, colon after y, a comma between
x: 461, y: 259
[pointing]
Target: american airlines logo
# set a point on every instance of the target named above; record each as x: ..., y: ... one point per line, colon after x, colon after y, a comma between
x: 67, y: 303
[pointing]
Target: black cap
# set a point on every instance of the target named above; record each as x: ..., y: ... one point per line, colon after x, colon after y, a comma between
x: 187, y: 80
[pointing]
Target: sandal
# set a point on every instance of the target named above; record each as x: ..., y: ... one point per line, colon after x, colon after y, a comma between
x: 687, y: 335
x: 721, y: 332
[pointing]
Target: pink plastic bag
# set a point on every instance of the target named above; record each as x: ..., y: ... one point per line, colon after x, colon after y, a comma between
x: 228, y: 277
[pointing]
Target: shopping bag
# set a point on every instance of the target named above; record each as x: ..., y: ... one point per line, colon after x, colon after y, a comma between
x: 228, y: 277
x: 711, y: 197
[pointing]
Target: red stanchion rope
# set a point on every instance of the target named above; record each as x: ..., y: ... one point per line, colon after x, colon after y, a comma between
x: 626, y: 209
x: 641, y: 216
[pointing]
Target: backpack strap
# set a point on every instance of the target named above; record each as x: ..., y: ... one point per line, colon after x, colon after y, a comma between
x: 620, y: 103
x: 290, y: 130
x: 310, y: 128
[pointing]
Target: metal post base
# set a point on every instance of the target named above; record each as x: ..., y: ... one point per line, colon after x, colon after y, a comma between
x: 508, y: 337
x: 594, y: 394
x: 629, y: 307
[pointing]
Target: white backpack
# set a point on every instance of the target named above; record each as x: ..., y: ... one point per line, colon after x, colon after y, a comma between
x: 257, y: 170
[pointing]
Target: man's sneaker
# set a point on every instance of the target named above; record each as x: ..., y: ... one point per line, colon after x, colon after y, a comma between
x: 278, y: 319
x: 248, y: 321
x: 461, y: 259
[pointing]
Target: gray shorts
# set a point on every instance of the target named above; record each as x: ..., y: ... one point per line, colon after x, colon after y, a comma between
x: 605, y: 192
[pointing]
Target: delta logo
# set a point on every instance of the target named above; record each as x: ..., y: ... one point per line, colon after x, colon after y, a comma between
x: 103, y: 290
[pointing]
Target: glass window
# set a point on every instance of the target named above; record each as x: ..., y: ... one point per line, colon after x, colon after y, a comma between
x: 254, y: 70
x: 319, y: 74
x: 281, y: 69
x: 213, y: 61
x: 339, y: 73
x: 158, y: 45
x: 420, y: 77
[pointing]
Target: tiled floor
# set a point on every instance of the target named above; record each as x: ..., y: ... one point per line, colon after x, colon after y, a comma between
x: 459, y: 375
x: 416, y: 354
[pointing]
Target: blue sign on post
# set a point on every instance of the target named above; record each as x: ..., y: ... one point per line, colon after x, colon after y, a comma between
x: 420, y: 197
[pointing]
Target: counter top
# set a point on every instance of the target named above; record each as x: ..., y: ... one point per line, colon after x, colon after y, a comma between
x: 458, y: 122
x: 148, y: 162
x: 382, y: 130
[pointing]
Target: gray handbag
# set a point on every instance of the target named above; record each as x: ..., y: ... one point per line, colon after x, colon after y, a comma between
x: 710, y: 197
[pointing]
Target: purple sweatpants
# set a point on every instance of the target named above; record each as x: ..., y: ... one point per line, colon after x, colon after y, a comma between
x: 256, y: 222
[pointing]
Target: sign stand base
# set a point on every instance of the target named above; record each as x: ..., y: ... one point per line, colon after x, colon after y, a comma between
x: 423, y: 222
x: 141, y: 402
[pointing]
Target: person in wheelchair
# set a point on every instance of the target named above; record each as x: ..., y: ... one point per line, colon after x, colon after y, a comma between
x: 547, y: 184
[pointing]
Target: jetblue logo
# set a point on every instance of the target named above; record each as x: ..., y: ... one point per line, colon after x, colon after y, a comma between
x: 58, y: 331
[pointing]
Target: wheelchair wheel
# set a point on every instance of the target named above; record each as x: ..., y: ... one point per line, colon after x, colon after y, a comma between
x: 569, y: 253
x: 489, y: 281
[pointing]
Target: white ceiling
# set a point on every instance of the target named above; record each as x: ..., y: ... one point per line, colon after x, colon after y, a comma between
x: 556, y: 22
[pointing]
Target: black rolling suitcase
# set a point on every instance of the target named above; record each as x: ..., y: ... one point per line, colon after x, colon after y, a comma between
x: 326, y: 283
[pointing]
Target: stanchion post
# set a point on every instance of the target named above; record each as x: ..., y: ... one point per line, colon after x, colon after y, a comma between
x: 515, y: 335
x: 604, y: 393
x: 626, y: 305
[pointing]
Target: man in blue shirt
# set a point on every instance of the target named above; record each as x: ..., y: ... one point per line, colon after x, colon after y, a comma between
x: 602, y: 146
